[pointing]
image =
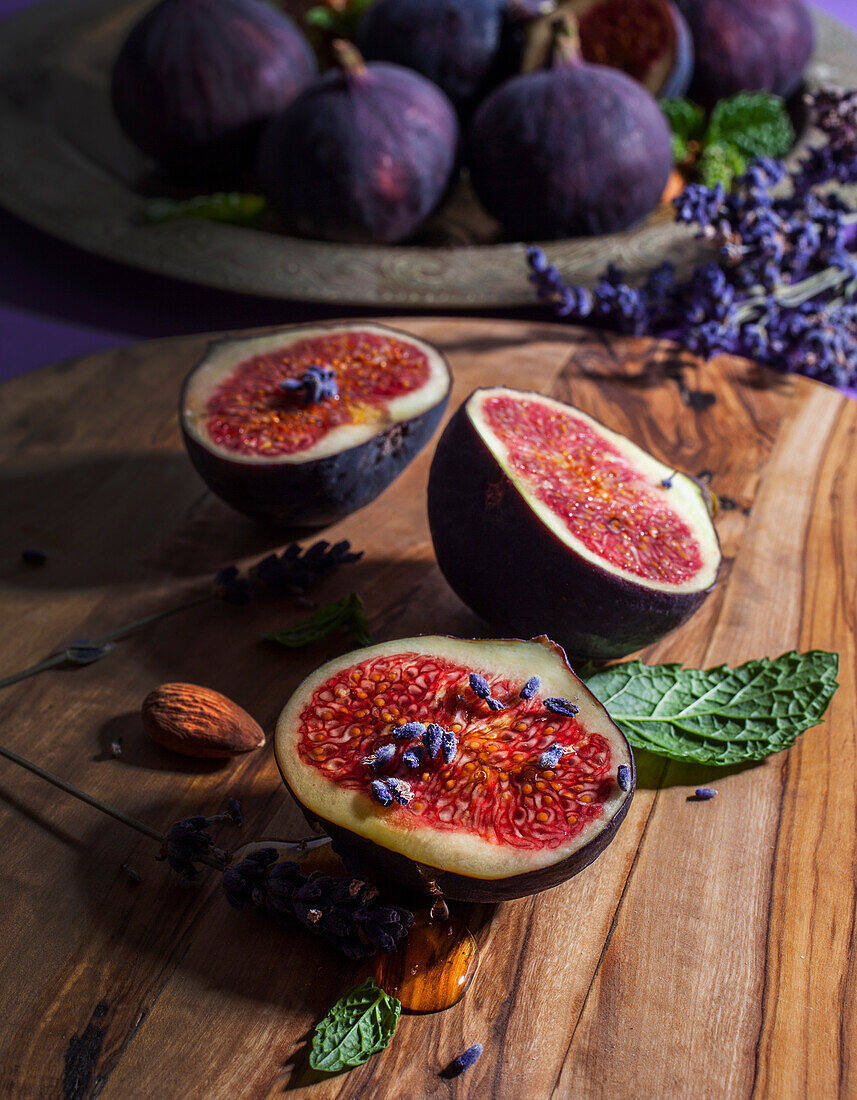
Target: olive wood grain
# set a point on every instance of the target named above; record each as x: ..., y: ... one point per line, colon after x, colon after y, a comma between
x: 707, y: 953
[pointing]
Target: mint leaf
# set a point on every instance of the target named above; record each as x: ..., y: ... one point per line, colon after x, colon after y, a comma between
x: 687, y: 123
x: 228, y: 207
x: 720, y: 163
x: 756, y: 124
x: 345, y: 614
x: 720, y: 715
x: 359, y: 1025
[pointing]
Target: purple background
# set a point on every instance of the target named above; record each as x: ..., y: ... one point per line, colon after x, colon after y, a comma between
x: 57, y: 302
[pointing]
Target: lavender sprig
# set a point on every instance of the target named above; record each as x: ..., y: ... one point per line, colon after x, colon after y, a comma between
x: 347, y: 913
x: 781, y: 287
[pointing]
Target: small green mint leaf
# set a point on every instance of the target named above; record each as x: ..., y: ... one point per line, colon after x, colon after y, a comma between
x: 721, y: 715
x: 345, y: 614
x: 755, y: 123
x: 359, y: 1025
x: 687, y: 124
x: 720, y: 162
x: 320, y: 17
x: 232, y: 208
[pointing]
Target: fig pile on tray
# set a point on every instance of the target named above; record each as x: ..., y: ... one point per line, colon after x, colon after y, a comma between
x: 559, y: 140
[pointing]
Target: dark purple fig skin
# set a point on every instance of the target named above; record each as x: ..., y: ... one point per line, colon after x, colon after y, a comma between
x: 509, y: 568
x: 196, y: 79
x: 747, y: 45
x: 382, y: 863
x: 454, y: 43
x: 577, y: 150
x: 361, y: 157
x: 319, y: 492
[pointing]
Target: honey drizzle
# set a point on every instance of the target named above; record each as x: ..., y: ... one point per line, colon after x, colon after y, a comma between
x: 434, y: 967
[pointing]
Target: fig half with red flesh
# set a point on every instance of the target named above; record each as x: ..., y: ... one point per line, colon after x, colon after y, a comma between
x: 487, y: 816
x: 647, y: 39
x: 543, y: 520
x: 278, y: 437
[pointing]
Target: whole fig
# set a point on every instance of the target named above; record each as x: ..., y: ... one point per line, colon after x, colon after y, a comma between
x: 574, y: 150
x: 747, y: 45
x: 363, y: 155
x: 195, y: 80
x: 455, y: 43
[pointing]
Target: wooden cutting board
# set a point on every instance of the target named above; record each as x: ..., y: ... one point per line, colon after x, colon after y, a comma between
x: 707, y: 953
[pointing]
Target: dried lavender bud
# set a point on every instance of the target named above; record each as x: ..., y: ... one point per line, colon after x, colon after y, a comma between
x: 468, y: 1058
x: 551, y: 757
x: 381, y: 792
x: 400, y: 789
x: 479, y: 685
x: 133, y: 875
x: 433, y: 739
x: 413, y: 758
x: 381, y: 756
x: 233, y: 810
x: 31, y: 556
x: 187, y: 843
x: 448, y: 746
x: 623, y: 777
x: 530, y: 688
x: 240, y: 881
x: 704, y: 793
x: 291, y: 572
x: 562, y: 706
x: 116, y: 747
x: 495, y: 704
x: 83, y: 652
x: 667, y: 482
x: 409, y: 729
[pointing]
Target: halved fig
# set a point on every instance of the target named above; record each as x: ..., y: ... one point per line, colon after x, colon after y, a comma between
x: 647, y: 39
x: 496, y: 787
x: 302, y: 426
x: 545, y: 521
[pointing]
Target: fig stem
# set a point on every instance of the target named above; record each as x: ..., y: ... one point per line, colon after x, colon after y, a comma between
x: 75, y: 792
x: 119, y: 632
x: 565, y: 40
x: 348, y: 57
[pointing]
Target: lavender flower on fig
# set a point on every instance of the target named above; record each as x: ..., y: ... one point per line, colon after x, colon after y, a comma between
x: 562, y: 707
x: 380, y: 757
x: 315, y: 384
x: 530, y: 688
x: 408, y: 730
x: 433, y: 739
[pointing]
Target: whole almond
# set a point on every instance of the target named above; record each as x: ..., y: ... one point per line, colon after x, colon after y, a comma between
x: 197, y: 721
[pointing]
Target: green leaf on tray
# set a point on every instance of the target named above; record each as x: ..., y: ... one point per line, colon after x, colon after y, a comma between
x: 755, y: 123
x: 359, y: 1025
x: 345, y: 614
x: 741, y: 128
x: 720, y: 162
x: 229, y: 207
x: 720, y: 715
x: 687, y: 123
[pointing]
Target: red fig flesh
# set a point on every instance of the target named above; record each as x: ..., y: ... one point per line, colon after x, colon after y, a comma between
x: 491, y: 820
x: 543, y: 519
